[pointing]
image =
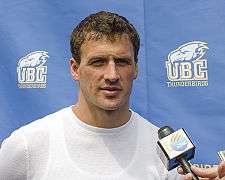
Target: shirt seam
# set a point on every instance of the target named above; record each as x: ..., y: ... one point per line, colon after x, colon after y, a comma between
x: 26, y: 155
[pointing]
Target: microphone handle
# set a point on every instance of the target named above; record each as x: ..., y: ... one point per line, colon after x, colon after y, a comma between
x: 187, y: 167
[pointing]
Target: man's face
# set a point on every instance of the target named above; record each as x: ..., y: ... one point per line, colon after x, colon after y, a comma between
x: 106, y: 72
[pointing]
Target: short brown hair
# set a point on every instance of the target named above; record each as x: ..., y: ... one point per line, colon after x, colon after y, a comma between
x: 102, y: 24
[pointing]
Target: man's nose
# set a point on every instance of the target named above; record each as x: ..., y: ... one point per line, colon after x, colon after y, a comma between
x: 111, y: 72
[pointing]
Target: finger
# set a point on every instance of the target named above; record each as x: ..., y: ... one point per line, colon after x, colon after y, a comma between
x: 188, y: 176
x: 221, y: 170
x: 180, y: 170
x: 209, y: 173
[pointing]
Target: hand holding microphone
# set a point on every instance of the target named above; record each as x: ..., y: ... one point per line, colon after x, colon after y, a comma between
x: 175, y: 148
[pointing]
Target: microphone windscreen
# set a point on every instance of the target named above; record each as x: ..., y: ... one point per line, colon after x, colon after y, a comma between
x: 165, y: 131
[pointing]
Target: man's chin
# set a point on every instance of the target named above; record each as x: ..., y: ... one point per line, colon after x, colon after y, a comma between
x: 112, y: 104
x: 112, y: 107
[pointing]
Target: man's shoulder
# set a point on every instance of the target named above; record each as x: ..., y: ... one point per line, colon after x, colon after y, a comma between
x: 44, y: 123
x: 37, y: 132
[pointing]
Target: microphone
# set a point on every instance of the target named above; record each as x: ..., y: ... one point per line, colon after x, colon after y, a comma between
x: 175, y: 148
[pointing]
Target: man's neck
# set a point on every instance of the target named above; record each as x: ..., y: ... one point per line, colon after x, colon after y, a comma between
x: 102, y: 118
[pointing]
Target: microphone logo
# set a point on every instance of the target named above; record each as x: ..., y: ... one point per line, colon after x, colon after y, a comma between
x: 178, y: 142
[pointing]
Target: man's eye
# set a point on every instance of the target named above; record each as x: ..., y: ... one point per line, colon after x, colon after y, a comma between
x: 97, y: 62
x: 122, y: 61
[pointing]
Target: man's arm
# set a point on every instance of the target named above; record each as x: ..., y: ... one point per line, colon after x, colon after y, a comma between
x: 13, y: 157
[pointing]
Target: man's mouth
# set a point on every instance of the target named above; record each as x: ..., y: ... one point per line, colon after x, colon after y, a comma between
x: 111, y: 90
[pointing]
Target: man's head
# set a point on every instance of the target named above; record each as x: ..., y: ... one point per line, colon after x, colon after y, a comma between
x: 104, y: 48
x: 99, y: 25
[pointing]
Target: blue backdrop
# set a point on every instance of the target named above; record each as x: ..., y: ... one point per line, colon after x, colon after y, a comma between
x: 181, y: 63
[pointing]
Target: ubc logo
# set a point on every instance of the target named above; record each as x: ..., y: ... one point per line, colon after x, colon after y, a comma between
x: 31, y: 71
x: 186, y: 66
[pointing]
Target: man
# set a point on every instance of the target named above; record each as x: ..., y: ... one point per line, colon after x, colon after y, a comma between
x: 98, y: 138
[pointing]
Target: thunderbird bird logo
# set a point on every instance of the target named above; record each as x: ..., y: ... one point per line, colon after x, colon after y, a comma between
x: 33, y: 59
x: 188, y: 52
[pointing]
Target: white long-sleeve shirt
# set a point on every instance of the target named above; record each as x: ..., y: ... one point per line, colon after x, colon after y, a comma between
x: 62, y: 147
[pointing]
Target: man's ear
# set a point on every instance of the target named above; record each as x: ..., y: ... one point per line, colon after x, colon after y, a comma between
x: 74, y: 69
x: 135, y: 71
